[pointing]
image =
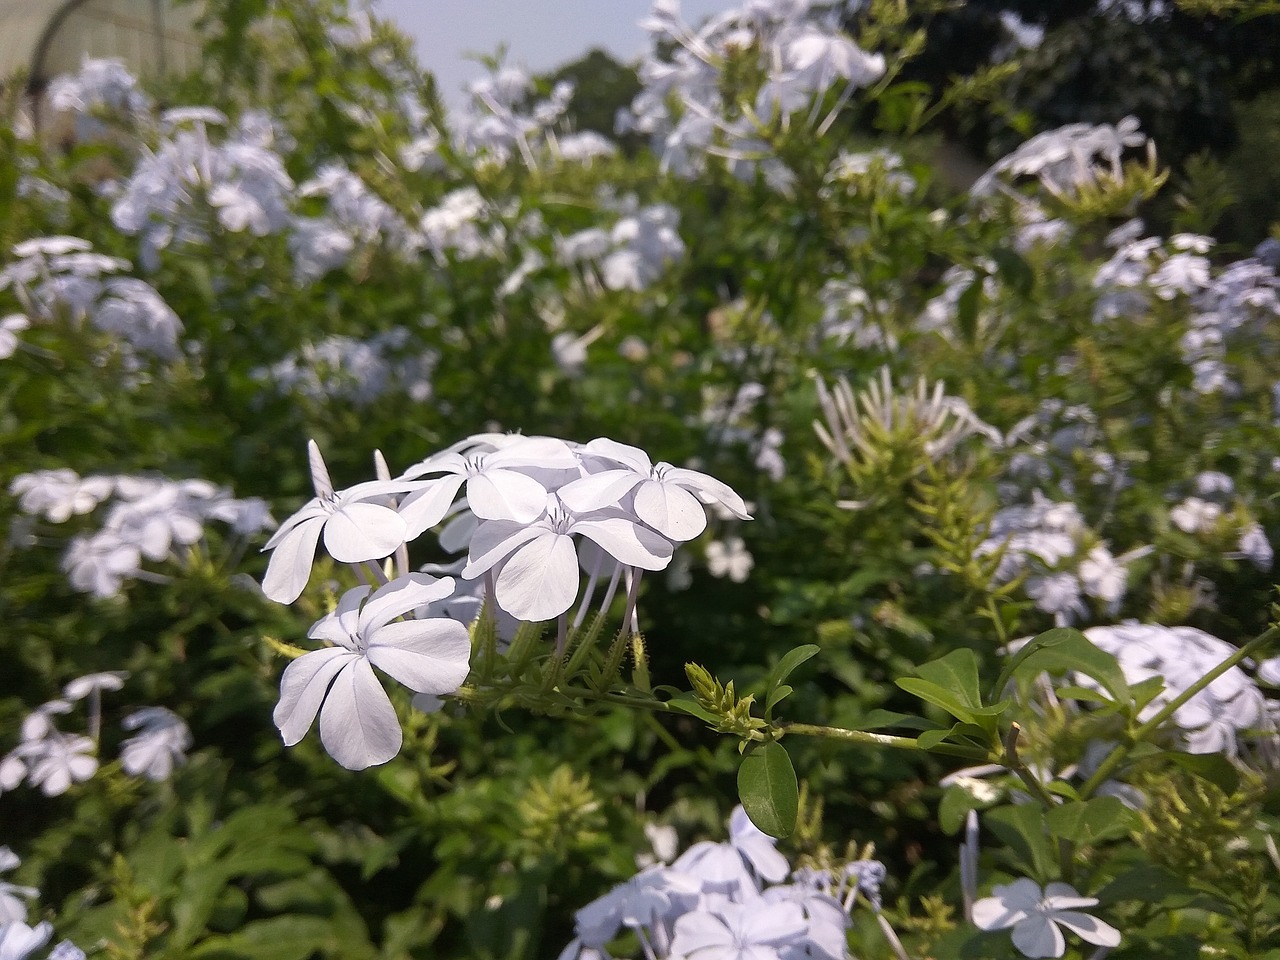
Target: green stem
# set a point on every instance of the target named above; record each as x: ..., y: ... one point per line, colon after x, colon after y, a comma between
x: 865, y: 737
x: 881, y: 740
x: 1121, y: 750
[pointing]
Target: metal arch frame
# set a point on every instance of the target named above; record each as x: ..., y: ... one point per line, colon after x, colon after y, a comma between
x: 36, y: 78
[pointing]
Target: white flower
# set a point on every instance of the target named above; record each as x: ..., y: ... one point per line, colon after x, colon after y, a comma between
x: 539, y: 575
x: 1194, y: 515
x: 63, y: 759
x: 81, y: 687
x: 1036, y: 917
x: 729, y: 558
x: 358, y: 725
x: 354, y: 530
x: 10, y: 326
x: 19, y: 941
x: 162, y: 743
x: 12, y: 909
x: 665, y: 497
x: 738, y: 931
x: 498, y: 486
x: 58, y: 494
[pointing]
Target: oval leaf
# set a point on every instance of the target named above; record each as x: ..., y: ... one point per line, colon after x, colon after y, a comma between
x: 768, y: 789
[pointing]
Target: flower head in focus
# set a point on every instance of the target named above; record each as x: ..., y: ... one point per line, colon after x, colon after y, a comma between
x: 358, y: 725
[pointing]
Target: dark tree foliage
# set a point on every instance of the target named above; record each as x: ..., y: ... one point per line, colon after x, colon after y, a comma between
x: 602, y: 86
x: 1190, y: 79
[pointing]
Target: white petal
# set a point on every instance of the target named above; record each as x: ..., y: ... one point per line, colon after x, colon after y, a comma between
x: 319, y: 472
x: 1038, y: 936
x: 534, y: 452
x: 309, y: 510
x: 699, y: 931
x: 427, y: 507
x: 290, y: 566
x: 494, y: 540
x: 627, y: 542
x: 598, y: 490
x: 341, y: 625
x: 427, y: 656
x: 540, y: 581
x: 399, y: 597
x: 363, y: 531
x: 358, y: 725
x: 671, y: 510
x: 1088, y: 928
x: 506, y: 495
x: 633, y: 457
x: 710, y: 487
x: 302, y: 690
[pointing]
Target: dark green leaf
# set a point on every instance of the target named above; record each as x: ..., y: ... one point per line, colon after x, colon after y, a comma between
x: 768, y: 789
x: 1088, y: 821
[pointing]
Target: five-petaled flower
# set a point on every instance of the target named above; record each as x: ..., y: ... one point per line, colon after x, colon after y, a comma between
x: 358, y: 725
x: 1036, y: 917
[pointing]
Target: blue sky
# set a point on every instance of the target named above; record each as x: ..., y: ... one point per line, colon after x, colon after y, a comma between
x: 538, y: 33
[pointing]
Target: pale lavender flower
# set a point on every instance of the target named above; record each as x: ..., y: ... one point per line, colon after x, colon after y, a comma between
x: 738, y: 931
x: 59, y: 494
x: 669, y: 499
x: 1036, y: 917
x: 729, y: 558
x: 91, y: 683
x: 161, y: 743
x: 19, y: 941
x: 63, y: 759
x: 1180, y: 656
x: 358, y: 725
x: 539, y: 574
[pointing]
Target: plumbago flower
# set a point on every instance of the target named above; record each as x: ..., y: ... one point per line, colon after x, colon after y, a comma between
x: 531, y: 513
x: 1036, y: 917
x: 356, y: 524
x: 358, y: 725
x: 728, y: 901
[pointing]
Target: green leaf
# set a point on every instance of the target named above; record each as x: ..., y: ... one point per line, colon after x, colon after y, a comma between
x: 687, y: 704
x: 951, y: 682
x: 779, y: 694
x: 1022, y: 828
x: 1088, y: 821
x: 1061, y: 650
x: 931, y: 738
x: 790, y: 660
x: 768, y: 789
x: 1213, y: 767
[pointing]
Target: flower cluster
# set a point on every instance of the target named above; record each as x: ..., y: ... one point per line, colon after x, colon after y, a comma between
x: 1213, y: 720
x: 728, y: 900
x: 62, y: 278
x: 356, y: 372
x: 150, y: 518
x: 194, y: 177
x: 18, y: 941
x: 531, y: 513
x: 1065, y: 159
x: 53, y: 760
x: 799, y: 56
x: 1063, y: 561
